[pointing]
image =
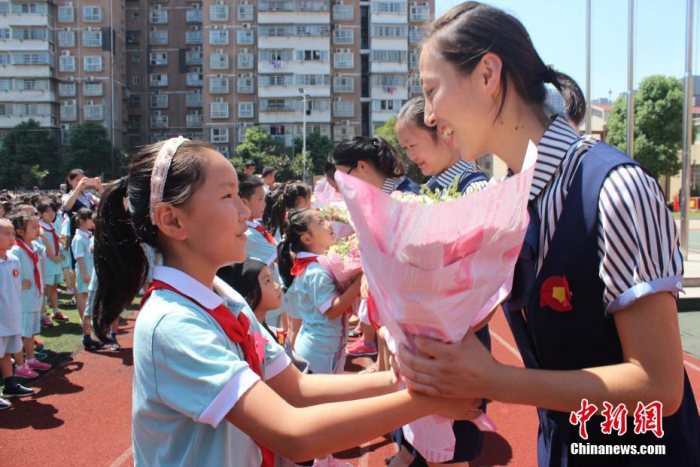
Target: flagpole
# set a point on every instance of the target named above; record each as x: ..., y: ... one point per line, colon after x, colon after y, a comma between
x: 630, y: 80
x: 588, y: 67
x: 687, y: 127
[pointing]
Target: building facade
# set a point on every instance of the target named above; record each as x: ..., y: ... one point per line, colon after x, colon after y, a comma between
x: 210, y: 69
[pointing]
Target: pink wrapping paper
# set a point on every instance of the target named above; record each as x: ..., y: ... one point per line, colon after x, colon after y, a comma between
x: 437, y: 269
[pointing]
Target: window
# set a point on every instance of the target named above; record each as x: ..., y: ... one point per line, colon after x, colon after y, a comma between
x: 245, y: 37
x: 66, y: 89
x: 246, y: 61
x: 159, y: 121
x: 343, y: 132
x: 218, y: 12
x: 245, y: 12
x: 5, y: 33
x: 194, y: 120
x: 194, y: 15
x: 135, y: 16
x: 388, y: 83
x: 133, y: 37
x: 92, y: 14
x: 159, y: 101
x: 135, y: 59
x: 389, y: 30
x: 136, y: 80
x: 218, y: 85
x: 276, y: 55
x: 92, y: 63
x: 343, y: 60
x: 246, y: 110
x: 219, y: 109
x: 389, y: 7
x: 312, y: 80
x: 277, y: 105
x: 94, y: 112
x: 92, y: 89
x: 343, y: 84
x: 218, y: 61
x: 194, y: 57
x: 66, y: 63
x: 69, y: 110
x: 92, y: 38
x: 219, y: 135
x: 29, y: 34
x: 66, y: 14
x: 276, y: 80
x: 5, y: 84
x: 415, y: 35
x: 312, y: 55
x: 158, y: 16
x: 159, y: 37
x: 194, y: 99
x: 193, y: 37
x: 344, y: 108
x: 30, y: 58
x: 386, y: 105
x: 420, y: 13
x: 343, y: 36
x: 343, y: 12
x: 66, y: 38
x: 400, y: 56
x: 245, y: 85
x: 158, y: 58
x: 135, y: 100
x: 158, y: 80
x: 194, y: 79
x: 218, y: 36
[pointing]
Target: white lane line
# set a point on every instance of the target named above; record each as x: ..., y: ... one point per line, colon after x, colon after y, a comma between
x: 123, y: 458
x: 506, y: 344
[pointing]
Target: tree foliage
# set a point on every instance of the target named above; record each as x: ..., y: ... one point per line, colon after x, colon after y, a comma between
x: 30, y: 157
x: 258, y: 146
x: 318, y: 148
x: 90, y: 149
x: 658, y: 124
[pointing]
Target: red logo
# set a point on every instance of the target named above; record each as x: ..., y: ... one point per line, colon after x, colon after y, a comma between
x: 555, y: 294
x: 15, y: 273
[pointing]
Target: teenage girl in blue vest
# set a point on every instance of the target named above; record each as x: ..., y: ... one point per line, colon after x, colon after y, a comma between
x: 593, y: 307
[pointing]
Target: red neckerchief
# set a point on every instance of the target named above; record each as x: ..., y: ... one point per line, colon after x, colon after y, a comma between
x: 237, y: 330
x: 300, y: 265
x: 266, y: 233
x: 34, y: 255
x: 50, y: 229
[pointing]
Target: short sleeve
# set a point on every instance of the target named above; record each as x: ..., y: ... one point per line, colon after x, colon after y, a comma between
x: 637, y: 240
x: 78, y: 247
x: 276, y: 359
x: 321, y: 287
x: 196, y: 372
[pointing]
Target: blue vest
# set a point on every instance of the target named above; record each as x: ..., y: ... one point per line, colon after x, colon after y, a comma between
x: 584, y: 337
x: 465, y: 179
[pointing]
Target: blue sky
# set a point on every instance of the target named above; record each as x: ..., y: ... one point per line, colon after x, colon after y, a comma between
x: 558, y: 30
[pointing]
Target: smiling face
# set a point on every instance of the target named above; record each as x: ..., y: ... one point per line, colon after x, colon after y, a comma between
x: 431, y: 154
x: 463, y: 106
x: 270, y: 292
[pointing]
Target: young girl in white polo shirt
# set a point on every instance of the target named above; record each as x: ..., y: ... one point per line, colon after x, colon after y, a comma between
x: 205, y: 377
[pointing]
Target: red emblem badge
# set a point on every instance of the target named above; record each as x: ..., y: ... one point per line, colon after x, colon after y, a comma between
x: 555, y: 294
x: 15, y: 273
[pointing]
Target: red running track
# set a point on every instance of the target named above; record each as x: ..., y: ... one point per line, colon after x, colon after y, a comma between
x: 81, y: 415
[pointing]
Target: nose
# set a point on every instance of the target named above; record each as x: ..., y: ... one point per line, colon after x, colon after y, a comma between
x: 243, y: 211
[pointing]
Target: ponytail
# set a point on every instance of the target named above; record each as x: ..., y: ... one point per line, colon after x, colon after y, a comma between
x: 285, y: 261
x: 297, y: 226
x: 281, y: 200
x: 120, y: 262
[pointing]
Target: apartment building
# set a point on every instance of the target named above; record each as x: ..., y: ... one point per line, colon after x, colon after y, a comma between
x: 90, y: 68
x: 27, y: 49
x: 210, y: 69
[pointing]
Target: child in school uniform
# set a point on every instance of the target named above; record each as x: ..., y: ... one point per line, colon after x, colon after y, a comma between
x: 82, y: 248
x: 312, y: 293
x: 62, y: 226
x: 52, y: 262
x: 10, y: 315
x: 29, y: 254
x: 593, y: 308
x: 205, y: 378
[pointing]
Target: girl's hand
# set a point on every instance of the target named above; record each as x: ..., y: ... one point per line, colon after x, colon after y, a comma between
x: 364, y: 288
x: 98, y: 185
x: 464, y: 369
x: 356, y: 285
x: 460, y: 409
x: 81, y: 184
x: 26, y: 285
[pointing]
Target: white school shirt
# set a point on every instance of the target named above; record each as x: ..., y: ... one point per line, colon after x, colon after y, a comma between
x: 33, y: 297
x: 50, y: 267
x: 82, y: 246
x: 188, y: 375
x: 10, y: 296
x: 257, y: 246
x: 638, y: 241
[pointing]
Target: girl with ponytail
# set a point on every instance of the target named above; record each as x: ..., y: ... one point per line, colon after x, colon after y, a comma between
x: 278, y: 202
x: 600, y: 268
x: 205, y: 380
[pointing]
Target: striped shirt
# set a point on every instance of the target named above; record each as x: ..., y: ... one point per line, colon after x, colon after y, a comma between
x: 638, y: 241
x: 447, y: 178
x: 391, y: 183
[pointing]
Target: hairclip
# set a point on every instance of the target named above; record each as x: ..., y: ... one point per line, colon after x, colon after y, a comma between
x: 160, y: 172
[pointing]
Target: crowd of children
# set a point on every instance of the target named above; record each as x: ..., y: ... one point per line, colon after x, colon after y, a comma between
x: 46, y: 246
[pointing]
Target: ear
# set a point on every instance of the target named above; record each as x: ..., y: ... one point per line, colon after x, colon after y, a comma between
x: 305, y: 239
x: 361, y: 166
x: 488, y: 71
x: 169, y: 221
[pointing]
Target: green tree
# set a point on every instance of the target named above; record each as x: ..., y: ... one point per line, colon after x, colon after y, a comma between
x: 318, y: 147
x: 90, y: 149
x: 388, y: 132
x: 258, y: 146
x: 658, y: 125
x: 30, y: 157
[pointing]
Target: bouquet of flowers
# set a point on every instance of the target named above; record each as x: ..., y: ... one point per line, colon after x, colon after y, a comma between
x: 343, y: 261
x: 339, y: 217
x: 435, y: 267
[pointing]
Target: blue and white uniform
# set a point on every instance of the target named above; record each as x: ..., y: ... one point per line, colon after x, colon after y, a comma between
x: 471, y: 179
x: 53, y: 271
x: 82, y: 248
x: 10, y: 305
x: 188, y: 375
x: 32, y: 297
x: 259, y: 248
x: 321, y: 340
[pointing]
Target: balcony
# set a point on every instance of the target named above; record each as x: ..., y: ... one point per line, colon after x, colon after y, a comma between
x: 194, y: 121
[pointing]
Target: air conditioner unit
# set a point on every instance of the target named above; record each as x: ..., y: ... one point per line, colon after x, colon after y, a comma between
x: 345, y: 123
x: 196, y: 6
x: 246, y: 26
x: 65, y: 127
x: 65, y: 53
x: 195, y: 28
x: 219, y: 99
x: 220, y: 51
x: 89, y: 102
x: 70, y: 79
x: 91, y: 78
